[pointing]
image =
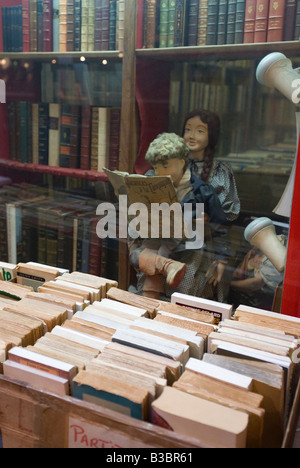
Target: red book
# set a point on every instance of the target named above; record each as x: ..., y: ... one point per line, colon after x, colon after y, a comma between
x: 140, y: 24
x: 47, y: 26
x: 250, y: 10
x: 261, y: 21
x: 25, y: 26
x: 276, y: 20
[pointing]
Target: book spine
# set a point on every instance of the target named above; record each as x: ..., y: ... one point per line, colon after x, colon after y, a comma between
x: 112, y: 24
x: 91, y: 28
x: 239, y: 22
x: 105, y: 25
x: 114, y: 147
x: 40, y: 25
x: 275, y: 21
x: 297, y: 22
x: 171, y: 22
x: 212, y: 22
x: 70, y: 25
x: 222, y: 22
x: 95, y: 250
x: 68, y: 150
x: 24, y: 131
x: 77, y: 25
x: 150, y: 29
x: 98, y: 25
x: 63, y: 25
x: 35, y: 132
x: 120, y: 25
x: 231, y: 19
x: 48, y: 26
x: 163, y: 23
x: 139, y: 25
x: 289, y: 20
x: 192, y: 34
x: 54, y: 132
x: 249, y: 26
x: 26, y: 26
x: 180, y: 23
x: 55, y: 25
x: 94, y: 139
x: 202, y: 22
x: 261, y: 21
x: 84, y: 24
x: 43, y: 133
x: 85, y: 140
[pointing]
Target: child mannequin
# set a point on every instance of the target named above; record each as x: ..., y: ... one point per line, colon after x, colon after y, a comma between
x: 201, y: 132
x: 164, y: 264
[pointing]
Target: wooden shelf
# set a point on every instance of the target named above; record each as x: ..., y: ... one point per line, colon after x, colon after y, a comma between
x: 53, y: 170
x: 227, y: 51
x: 63, y: 56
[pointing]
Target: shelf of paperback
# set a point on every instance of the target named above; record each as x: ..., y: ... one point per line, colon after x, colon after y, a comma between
x: 86, y: 364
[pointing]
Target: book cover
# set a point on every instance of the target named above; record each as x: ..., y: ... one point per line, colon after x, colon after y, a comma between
x: 261, y: 21
x: 77, y: 25
x: 151, y: 16
x: 47, y: 26
x: 249, y: 26
x: 40, y: 25
x: 69, y: 136
x: 107, y: 392
x: 276, y: 20
x: 164, y: 23
x: 112, y: 24
x: 70, y: 25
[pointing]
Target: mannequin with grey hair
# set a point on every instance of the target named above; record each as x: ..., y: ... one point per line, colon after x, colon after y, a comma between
x: 165, y: 265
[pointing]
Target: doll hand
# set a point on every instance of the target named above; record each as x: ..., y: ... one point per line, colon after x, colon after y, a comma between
x: 217, y: 274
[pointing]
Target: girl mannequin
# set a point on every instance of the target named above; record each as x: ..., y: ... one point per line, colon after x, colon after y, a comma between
x: 201, y: 132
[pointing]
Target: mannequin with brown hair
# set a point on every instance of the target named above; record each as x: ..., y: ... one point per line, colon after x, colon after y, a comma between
x: 201, y: 132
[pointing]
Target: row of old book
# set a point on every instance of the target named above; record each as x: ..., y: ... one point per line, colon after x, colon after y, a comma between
x: 189, y: 365
x: 51, y: 228
x: 61, y: 25
x: 216, y: 22
x: 64, y: 135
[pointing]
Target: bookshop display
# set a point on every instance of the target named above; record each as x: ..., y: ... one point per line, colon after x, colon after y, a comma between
x: 89, y: 84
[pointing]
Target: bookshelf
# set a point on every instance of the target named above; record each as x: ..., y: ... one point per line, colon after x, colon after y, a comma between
x: 144, y: 85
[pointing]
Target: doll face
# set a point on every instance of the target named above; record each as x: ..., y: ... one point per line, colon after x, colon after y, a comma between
x: 172, y: 167
x: 196, y: 136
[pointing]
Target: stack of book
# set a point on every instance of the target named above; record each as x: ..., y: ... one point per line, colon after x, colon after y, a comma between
x: 175, y: 23
x: 227, y: 380
x: 49, y: 228
x: 61, y: 25
x: 64, y: 135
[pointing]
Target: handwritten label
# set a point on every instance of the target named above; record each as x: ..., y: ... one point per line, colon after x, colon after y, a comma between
x: 83, y: 434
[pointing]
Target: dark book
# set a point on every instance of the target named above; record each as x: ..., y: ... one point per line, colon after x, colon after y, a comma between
x: 112, y: 24
x: 114, y: 143
x: 152, y: 15
x: 43, y: 133
x: 231, y: 20
x: 222, y: 22
x: 180, y: 23
x: 289, y: 20
x: 192, y: 33
x: 77, y: 25
x: 40, y: 25
x: 85, y: 137
x: 212, y: 22
x: 48, y: 26
x: 69, y: 136
x: 297, y: 22
x: 239, y: 21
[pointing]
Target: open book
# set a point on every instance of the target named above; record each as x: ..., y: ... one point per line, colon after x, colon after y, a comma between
x: 153, y: 210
